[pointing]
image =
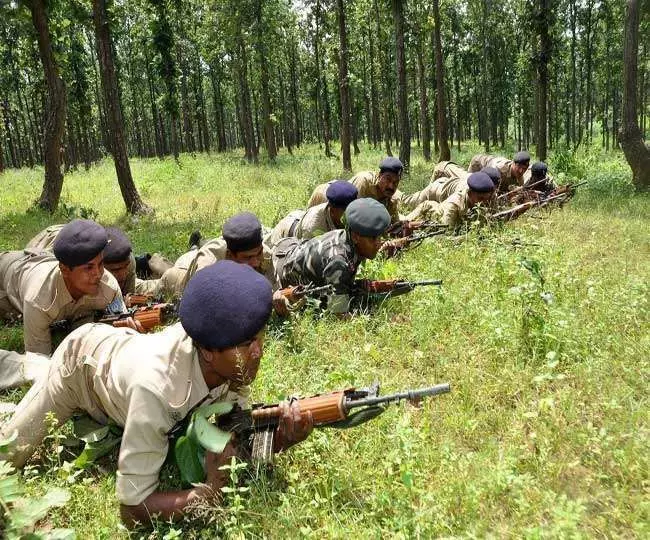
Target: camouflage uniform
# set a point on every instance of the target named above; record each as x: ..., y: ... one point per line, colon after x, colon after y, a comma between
x: 447, y: 179
x: 173, y: 281
x: 366, y: 183
x: 327, y: 259
x: 44, y: 241
x: 480, y: 161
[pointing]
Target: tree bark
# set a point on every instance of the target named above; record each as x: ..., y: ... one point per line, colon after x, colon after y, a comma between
x: 402, y: 90
x: 544, y: 56
x: 55, y: 111
x: 134, y: 204
x: 635, y: 149
x: 443, y: 137
x: 269, y: 135
x: 424, y: 104
x: 344, y: 90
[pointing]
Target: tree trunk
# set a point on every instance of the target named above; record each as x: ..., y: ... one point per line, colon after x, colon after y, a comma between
x: 132, y: 200
x: 269, y: 135
x: 543, y: 21
x: 424, y: 104
x: 344, y: 90
x: 402, y: 90
x: 635, y: 149
x: 55, y: 111
x: 445, y: 152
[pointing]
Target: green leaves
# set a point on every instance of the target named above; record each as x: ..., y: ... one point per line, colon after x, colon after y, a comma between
x: 201, y: 435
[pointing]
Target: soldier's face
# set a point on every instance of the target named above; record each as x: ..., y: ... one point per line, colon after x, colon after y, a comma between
x: 236, y: 365
x: 518, y: 169
x: 367, y: 246
x: 251, y: 257
x: 387, y: 184
x: 83, y: 279
x: 475, y: 197
x: 337, y: 214
x: 119, y: 270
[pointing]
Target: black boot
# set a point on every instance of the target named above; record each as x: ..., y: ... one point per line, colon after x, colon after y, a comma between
x: 142, y: 269
x: 195, y: 240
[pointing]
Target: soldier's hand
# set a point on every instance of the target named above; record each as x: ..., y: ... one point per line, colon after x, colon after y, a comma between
x: 281, y: 304
x: 391, y: 247
x: 131, y: 323
x: 216, y: 477
x: 294, y: 426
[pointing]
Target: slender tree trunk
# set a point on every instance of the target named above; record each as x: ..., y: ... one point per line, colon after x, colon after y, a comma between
x: 424, y: 104
x: 219, y: 116
x: 298, y: 133
x: 55, y: 110
x: 344, y: 91
x: 269, y: 135
x: 636, y: 150
x: 132, y: 200
x: 544, y: 57
x: 402, y: 90
x: 374, y: 94
x: 445, y: 152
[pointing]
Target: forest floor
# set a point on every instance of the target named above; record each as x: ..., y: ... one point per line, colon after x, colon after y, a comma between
x: 541, y: 327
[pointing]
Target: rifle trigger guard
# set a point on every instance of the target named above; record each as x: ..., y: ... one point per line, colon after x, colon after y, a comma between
x: 356, y: 419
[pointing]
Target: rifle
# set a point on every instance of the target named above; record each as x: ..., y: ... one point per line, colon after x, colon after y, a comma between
x: 133, y: 300
x: 297, y: 292
x: 392, y: 247
x: 567, y: 189
x: 387, y: 288
x: 148, y: 316
x: 516, y: 211
x: 255, y: 428
x: 398, y: 229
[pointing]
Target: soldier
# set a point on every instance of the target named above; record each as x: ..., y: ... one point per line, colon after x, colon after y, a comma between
x: 380, y: 186
x: 118, y: 255
x: 537, y: 178
x: 317, y: 219
x: 334, y: 257
x: 43, y: 287
x: 146, y: 384
x: 447, y: 179
x: 241, y: 241
x: 454, y: 210
x: 512, y: 171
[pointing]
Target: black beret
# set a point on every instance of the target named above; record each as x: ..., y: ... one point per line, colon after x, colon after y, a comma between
x: 392, y: 165
x: 118, y: 248
x: 539, y: 170
x: 242, y: 232
x: 367, y: 217
x: 521, y: 157
x: 79, y: 241
x: 340, y: 193
x: 480, y: 182
x: 493, y: 173
x: 225, y: 304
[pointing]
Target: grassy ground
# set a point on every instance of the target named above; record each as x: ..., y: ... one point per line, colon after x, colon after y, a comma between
x: 541, y: 328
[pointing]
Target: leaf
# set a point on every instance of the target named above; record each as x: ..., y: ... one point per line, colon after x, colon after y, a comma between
x: 186, y: 452
x: 10, y: 488
x: 36, y: 509
x: 209, y: 436
x: 4, y: 443
x: 95, y: 450
x: 60, y: 534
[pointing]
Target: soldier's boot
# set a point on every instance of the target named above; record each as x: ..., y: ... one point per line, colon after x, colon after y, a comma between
x: 158, y: 265
x: 195, y: 240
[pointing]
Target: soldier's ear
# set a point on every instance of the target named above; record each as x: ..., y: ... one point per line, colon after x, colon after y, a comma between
x: 65, y: 270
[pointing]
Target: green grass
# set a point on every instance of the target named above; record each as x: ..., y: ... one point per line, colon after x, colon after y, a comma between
x: 545, y: 433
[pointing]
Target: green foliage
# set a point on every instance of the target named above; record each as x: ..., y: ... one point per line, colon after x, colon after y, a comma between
x: 545, y: 432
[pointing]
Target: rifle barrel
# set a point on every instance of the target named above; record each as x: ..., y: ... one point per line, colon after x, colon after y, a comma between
x: 410, y: 395
x: 426, y: 282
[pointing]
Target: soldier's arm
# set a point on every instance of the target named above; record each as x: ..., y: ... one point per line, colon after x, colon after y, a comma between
x: 338, y: 273
x: 450, y: 215
x: 37, y: 336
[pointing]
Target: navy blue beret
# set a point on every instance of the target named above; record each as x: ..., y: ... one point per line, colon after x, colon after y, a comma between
x: 480, y: 182
x: 225, y: 304
x: 367, y: 217
x: 539, y: 170
x: 118, y: 248
x: 79, y: 242
x: 340, y: 193
x: 242, y: 232
x: 493, y: 173
x: 391, y: 165
x: 521, y: 157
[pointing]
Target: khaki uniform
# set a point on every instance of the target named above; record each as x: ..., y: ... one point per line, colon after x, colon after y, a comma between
x: 173, y: 281
x: 366, y: 183
x: 303, y: 224
x: 31, y: 284
x: 143, y: 383
x: 327, y: 259
x: 547, y: 185
x: 447, y: 179
x: 480, y: 161
x: 44, y: 241
x: 452, y: 212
